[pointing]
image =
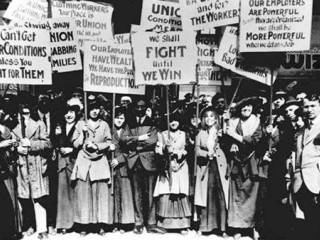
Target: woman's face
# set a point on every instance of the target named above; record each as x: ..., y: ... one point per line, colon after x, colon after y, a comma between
x: 94, y: 113
x: 195, y: 121
x: 149, y: 112
x: 25, y: 113
x: 290, y: 111
x: 119, y: 120
x: 174, y: 125
x: 246, y: 111
x: 70, y: 116
x: 300, y: 122
x: 210, y: 119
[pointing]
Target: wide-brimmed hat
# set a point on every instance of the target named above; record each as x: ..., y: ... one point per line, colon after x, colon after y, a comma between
x: 119, y: 110
x: 280, y: 93
x: 253, y: 101
x: 291, y: 101
x: 26, y: 100
x: 93, y: 102
x: 75, y: 101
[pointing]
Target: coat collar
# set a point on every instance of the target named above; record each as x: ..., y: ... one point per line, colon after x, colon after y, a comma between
x: 31, y: 128
x: 310, y: 134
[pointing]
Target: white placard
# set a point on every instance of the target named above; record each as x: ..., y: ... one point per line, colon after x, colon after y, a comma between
x: 275, y: 26
x: 160, y: 16
x: 65, y: 51
x: 227, y: 57
x: 93, y: 20
x: 199, y: 14
x: 109, y: 68
x: 25, y: 56
x: 164, y: 58
x: 208, y: 72
x: 27, y: 10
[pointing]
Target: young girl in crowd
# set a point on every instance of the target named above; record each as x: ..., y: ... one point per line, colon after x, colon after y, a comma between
x: 211, y: 191
x: 172, y: 187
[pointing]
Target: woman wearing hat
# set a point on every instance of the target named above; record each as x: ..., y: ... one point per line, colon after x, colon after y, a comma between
x: 123, y: 198
x: 91, y: 173
x: 66, y: 146
x: 172, y: 187
x: 211, y: 191
x: 244, y: 132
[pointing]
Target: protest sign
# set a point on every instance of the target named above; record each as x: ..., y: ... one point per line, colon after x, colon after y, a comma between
x: 109, y: 68
x: 199, y: 14
x: 122, y: 38
x: 93, y: 20
x: 227, y: 57
x: 25, y: 56
x: 160, y: 16
x: 164, y: 58
x: 208, y: 72
x: 27, y: 10
x: 275, y: 26
x: 65, y: 52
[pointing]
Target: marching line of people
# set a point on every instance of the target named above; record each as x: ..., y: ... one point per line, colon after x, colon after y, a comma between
x: 232, y: 172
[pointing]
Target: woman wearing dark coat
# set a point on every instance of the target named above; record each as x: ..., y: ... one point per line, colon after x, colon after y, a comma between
x: 66, y: 151
x: 10, y: 219
x: 123, y: 198
x: 244, y: 134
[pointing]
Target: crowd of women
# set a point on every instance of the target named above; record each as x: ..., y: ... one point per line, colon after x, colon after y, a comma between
x: 230, y: 171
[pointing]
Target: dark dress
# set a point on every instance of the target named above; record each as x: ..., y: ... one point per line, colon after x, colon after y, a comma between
x: 244, y: 183
x: 8, y: 175
x: 65, y: 202
x: 278, y: 216
x: 123, y: 198
x: 10, y: 219
x: 7, y: 219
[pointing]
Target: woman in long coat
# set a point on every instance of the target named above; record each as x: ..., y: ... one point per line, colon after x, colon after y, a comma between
x: 172, y: 187
x: 33, y: 182
x: 10, y: 219
x: 66, y: 148
x: 123, y: 198
x: 245, y: 134
x: 93, y: 200
x: 211, y: 191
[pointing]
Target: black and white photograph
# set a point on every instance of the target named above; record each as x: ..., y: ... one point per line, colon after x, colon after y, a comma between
x: 160, y: 119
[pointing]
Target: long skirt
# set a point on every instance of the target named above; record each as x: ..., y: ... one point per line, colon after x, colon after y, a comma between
x: 214, y: 215
x: 12, y: 189
x: 65, y: 209
x: 7, y: 218
x: 93, y: 202
x: 123, y: 200
x: 243, y: 198
x: 173, y: 211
